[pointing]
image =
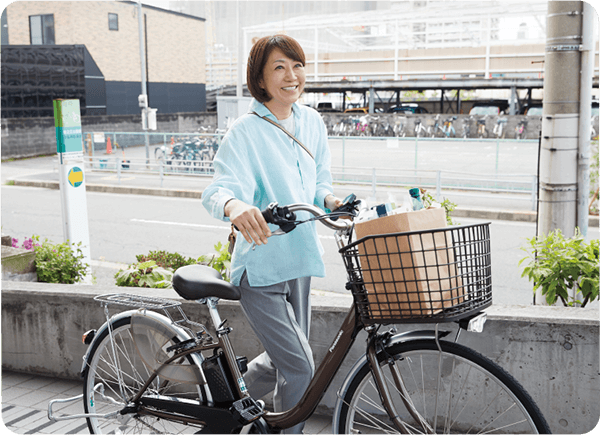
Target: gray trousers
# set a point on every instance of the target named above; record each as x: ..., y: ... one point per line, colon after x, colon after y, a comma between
x: 280, y: 317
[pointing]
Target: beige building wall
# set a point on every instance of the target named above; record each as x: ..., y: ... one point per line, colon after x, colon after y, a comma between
x: 467, y: 60
x: 175, y: 42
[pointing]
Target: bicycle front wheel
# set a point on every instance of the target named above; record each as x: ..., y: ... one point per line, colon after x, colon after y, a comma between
x: 117, y: 370
x: 455, y: 390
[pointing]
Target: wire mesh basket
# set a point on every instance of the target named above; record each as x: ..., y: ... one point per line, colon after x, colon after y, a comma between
x: 430, y: 276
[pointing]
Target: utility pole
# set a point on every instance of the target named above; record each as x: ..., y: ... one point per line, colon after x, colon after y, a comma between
x: 143, y: 98
x: 565, y: 147
x: 560, y: 157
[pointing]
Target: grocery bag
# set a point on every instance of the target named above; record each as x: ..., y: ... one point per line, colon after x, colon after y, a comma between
x: 408, y: 276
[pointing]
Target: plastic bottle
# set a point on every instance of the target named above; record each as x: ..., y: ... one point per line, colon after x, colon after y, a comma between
x: 417, y: 202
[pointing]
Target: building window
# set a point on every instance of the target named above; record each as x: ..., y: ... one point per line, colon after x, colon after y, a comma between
x: 113, y: 22
x: 41, y: 29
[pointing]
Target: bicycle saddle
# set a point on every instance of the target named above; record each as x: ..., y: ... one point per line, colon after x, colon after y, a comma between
x: 197, y: 281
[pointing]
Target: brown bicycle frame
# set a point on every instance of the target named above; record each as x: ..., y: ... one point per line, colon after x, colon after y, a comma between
x: 323, y: 377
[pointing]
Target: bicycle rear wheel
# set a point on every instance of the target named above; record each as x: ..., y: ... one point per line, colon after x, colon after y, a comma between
x: 456, y: 390
x: 117, y: 370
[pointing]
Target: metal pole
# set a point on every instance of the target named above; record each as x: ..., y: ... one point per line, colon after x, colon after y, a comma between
x: 374, y: 185
x: 316, y: 54
x: 585, y: 114
x: 238, y: 90
x: 143, y: 66
x: 119, y: 164
x: 560, y: 120
x: 438, y: 186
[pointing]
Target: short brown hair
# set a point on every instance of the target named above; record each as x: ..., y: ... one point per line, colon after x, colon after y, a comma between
x: 258, y: 58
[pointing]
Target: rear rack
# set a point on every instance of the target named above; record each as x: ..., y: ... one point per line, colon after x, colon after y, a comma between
x: 137, y: 301
x: 168, y: 306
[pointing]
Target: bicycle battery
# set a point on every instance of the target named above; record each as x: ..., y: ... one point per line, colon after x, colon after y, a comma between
x: 219, y: 378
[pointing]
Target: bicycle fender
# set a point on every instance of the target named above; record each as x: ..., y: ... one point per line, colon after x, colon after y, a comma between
x: 177, y: 331
x: 391, y: 341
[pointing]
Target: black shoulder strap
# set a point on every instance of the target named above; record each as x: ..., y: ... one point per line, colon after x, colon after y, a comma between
x: 286, y: 132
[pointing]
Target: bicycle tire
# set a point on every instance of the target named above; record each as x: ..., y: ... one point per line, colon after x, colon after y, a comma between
x: 102, y: 369
x: 487, y: 406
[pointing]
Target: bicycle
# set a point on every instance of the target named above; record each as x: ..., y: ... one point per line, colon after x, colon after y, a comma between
x: 436, y: 127
x: 521, y: 129
x: 448, y: 127
x: 466, y: 127
x: 151, y: 372
x: 482, y: 132
x: 420, y: 129
x: 499, y: 129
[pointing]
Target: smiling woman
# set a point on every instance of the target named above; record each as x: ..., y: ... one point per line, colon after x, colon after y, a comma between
x: 257, y: 164
x: 276, y: 61
x: 283, y: 81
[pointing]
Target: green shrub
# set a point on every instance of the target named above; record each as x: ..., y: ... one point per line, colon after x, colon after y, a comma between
x: 166, y: 259
x: 220, y: 261
x: 145, y: 274
x: 558, y: 265
x: 59, y: 263
x: 157, y: 267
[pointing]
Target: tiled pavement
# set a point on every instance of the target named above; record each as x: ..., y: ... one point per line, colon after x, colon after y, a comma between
x: 25, y: 400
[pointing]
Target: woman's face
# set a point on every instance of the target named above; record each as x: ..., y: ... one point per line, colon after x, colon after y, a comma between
x: 283, y: 79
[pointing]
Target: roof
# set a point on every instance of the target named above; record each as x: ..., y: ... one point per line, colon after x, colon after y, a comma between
x: 168, y: 11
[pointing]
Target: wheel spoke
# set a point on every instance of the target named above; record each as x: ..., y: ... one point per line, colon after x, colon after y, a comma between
x: 465, y: 392
x: 117, y: 365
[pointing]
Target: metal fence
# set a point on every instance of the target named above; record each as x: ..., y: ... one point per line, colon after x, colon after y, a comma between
x: 361, y: 178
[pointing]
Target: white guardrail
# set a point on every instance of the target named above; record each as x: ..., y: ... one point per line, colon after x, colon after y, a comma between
x: 365, y: 179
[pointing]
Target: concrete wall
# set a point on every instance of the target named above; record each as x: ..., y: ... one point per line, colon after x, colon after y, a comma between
x: 29, y: 137
x: 552, y: 351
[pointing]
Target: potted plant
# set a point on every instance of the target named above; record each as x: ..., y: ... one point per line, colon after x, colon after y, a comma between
x: 563, y: 268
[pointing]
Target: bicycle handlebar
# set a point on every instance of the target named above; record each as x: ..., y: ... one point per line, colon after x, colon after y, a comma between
x: 286, y: 219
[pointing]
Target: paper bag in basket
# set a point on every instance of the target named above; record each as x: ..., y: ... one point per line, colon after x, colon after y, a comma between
x: 408, y: 276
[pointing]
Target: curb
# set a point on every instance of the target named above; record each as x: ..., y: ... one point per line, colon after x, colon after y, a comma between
x: 104, y: 188
x: 502, y: 215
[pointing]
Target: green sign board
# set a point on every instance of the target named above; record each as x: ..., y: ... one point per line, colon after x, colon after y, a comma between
x: 67, y: 120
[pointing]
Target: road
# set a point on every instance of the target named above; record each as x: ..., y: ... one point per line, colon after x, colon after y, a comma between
x: 123, y: 226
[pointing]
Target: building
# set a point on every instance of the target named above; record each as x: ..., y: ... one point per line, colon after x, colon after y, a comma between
x: 225, y: 21
x: 91, y: 50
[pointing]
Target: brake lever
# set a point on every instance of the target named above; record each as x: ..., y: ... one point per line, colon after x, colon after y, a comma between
x: 280, y: 216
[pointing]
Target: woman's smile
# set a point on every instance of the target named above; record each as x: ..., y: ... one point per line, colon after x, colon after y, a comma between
x: 283, y: 79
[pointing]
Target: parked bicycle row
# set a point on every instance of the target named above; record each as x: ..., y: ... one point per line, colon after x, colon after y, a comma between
x: 468, y: 126
x: 191, y: 152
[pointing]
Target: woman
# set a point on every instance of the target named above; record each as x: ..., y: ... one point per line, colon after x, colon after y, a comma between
x: 258, y: 163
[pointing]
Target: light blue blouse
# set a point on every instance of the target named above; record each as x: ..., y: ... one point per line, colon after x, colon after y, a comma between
x: 258, y: 163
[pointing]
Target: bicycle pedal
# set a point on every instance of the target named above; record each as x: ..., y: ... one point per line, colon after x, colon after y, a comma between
x: 246, y: 410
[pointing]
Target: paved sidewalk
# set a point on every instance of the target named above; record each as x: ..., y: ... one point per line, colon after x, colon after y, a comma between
x: 25, y: 400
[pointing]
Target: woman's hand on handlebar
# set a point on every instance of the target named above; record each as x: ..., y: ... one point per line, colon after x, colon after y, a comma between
x: 332, y: 202
x: 249, y: 221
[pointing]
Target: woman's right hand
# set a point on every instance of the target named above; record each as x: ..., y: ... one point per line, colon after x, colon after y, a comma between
x: 249, y: 220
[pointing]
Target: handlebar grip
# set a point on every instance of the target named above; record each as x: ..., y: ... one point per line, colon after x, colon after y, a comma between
x: 268, y: 215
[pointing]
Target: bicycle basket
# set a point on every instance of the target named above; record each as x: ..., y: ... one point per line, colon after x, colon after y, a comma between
x: 433, y: 276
